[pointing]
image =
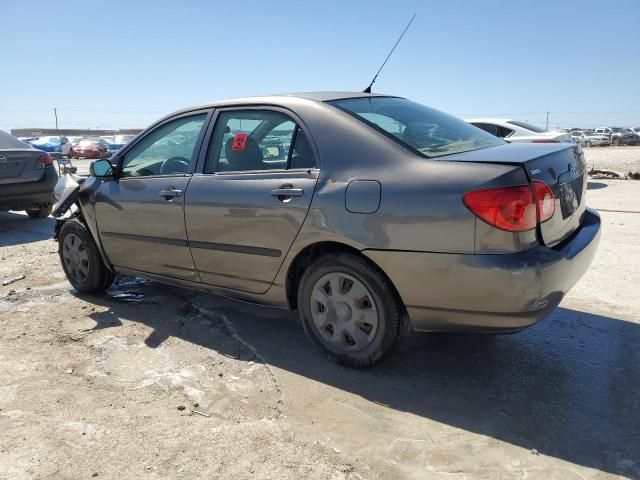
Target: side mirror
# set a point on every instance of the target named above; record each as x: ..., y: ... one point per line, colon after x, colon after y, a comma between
x: 101, y: 168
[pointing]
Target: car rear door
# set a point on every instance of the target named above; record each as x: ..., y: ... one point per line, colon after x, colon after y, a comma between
x: 140, y: 215
x: 245, y: 208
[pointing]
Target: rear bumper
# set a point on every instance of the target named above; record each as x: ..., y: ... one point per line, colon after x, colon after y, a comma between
x: 498, y: 293
x: 20, y: 196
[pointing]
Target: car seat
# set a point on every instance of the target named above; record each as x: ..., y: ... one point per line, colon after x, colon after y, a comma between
x: 249, y: 158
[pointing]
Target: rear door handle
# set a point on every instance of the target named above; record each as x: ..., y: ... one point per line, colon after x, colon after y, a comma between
x: 170, y: 193
x: 287, y: 192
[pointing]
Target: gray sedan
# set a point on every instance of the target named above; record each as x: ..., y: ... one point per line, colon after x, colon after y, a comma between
x: 27, y: 177
x: 371, y: 215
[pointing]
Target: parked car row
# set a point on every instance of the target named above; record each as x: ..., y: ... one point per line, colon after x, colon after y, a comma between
x: 81, y: 147
x: 515, y: 131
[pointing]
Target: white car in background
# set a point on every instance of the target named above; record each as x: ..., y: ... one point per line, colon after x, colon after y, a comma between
x: 579, y: 136
x: 597, y: 139
x: 516, y: 131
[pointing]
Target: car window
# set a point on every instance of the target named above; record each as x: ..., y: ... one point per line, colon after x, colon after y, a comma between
x: 168, y: 150
x: 426, y: 131
x: 497, y: 130
x: 257, y: 140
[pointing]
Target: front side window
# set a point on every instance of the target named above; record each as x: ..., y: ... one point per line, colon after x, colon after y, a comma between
x: 429, y: 132
x: 168, y: 150
x: 257, y: 140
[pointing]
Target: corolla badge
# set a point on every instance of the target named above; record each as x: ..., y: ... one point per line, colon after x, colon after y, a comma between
x: 535, y: 171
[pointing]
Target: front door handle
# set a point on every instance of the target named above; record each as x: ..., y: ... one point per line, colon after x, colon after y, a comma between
x: 170, y: 193
x: 287, y: 192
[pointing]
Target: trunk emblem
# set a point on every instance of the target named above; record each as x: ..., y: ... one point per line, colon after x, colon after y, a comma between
x: 3, y: 159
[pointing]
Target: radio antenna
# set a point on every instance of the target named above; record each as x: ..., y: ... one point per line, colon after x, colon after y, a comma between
x: 368, y: 89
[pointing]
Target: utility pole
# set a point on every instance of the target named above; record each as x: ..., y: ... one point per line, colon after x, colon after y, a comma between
x: 55, y: 112
x: 547, y: 127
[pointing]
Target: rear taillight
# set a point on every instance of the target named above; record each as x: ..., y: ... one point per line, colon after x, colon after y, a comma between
x: 508, y: 208
x: 545, y: 141
x: 514, y: 209
x: 544, y: 199
x: 44, y: 161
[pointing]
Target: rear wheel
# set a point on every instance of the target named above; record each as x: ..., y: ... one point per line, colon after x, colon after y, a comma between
x: 40, y: 212
x: 588, y: 144
x: 350, y: 310
x: 81, y: 260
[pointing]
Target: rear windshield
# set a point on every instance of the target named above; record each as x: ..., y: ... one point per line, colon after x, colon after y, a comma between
x: 527, y: 126
x: 429, y: 132
x: 9, y: 141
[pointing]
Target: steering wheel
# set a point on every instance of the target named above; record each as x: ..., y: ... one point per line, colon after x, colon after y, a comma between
x: 174, y: 165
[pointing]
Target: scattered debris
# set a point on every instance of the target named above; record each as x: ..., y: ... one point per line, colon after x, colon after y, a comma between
x: 634, y: 175
x: 11, y: 280
x: 534, y: 452
x: 181, y: 407
x: 604, y: 173
x: 69, y: 371
x: 197, y: 412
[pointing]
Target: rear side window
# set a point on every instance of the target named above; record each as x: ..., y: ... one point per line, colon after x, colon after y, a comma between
x: 424, y: 130
x: 254, y: 140
x: 496, y: 130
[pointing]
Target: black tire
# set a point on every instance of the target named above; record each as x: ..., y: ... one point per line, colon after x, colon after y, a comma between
x: 393, y: 325
x: 40, y: 212
x: 588, y: 144
x: 95, y: 277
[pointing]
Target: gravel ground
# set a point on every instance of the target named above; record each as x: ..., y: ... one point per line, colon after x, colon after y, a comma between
x: 149, y: 381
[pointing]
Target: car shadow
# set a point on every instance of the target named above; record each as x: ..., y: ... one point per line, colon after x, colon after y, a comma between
x: 17, y: 228
x: 596, y: 185
x: 568, y: 387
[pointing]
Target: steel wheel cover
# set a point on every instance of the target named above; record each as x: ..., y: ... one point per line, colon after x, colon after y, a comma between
x: 344, y: 312
x: 76, y: 257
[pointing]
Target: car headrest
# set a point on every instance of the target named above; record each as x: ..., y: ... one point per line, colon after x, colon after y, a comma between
x: 243, y: 153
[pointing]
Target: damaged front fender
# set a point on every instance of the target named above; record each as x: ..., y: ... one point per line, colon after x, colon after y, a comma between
x: 79, y: 191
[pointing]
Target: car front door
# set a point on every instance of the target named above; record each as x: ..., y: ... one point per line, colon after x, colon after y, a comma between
x: 140, y: 215
x: 245, y: 208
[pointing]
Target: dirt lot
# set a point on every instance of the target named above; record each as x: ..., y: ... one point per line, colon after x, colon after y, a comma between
x: 153, y: 382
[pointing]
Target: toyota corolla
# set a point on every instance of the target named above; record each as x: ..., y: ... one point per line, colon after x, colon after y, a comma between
x: 370, y: 215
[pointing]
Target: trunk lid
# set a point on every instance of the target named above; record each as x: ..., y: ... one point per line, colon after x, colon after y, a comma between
x: 561, y: 166
x: 19, y: 165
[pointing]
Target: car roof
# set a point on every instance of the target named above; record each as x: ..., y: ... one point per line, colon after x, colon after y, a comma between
x: 282, y: 99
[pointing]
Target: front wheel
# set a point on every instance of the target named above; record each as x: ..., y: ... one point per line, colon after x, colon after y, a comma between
x: 81, y: 260
x: 40, y: 212
x: 350, y: 310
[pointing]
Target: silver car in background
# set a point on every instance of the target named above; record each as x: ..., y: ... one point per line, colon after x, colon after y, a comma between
x: 27, y: 177
x: 371, y: 215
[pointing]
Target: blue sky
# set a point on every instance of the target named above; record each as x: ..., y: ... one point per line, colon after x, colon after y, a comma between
x: 125, y: 63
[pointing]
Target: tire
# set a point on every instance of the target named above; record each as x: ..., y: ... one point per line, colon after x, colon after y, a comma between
x: 364, y: 290
x: 81, y: 260
x: 588, y: 144
x: 41, y: 212
x: 616, y: 142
